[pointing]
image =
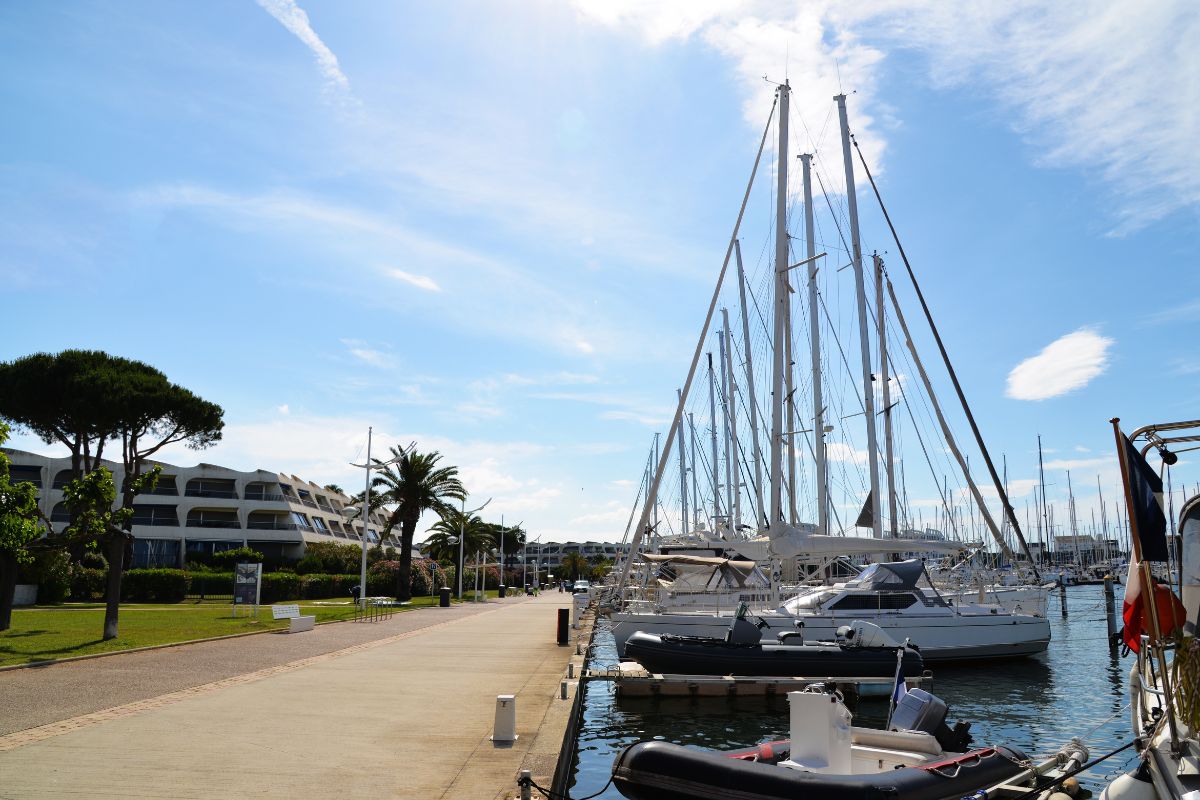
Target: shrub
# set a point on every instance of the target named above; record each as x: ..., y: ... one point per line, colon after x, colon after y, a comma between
x: 154, y: 585
x: 51, y: 571
x: 226, y: 559
x: 87, y: 584
x: 93, y: 560
x: 309, y: 564
x: 426, y: 573
x: 278, y: 586
x: 211, y: 584
x: 336, y: 558
x: 319, y: 587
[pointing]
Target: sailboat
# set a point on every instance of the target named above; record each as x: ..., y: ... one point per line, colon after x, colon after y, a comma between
x: 889, y: 595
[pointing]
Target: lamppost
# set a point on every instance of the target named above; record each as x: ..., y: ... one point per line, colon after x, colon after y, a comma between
x: 349, y: 512
x: 462, y: 535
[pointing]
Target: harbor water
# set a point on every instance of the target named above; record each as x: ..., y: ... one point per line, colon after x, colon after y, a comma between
x: 1078, y: 688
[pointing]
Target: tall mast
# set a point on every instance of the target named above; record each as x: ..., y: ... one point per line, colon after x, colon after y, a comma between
x: 683, y: 481
x: 780, y: 306
x: 695, y: 479
x: 759, y: 511
x: 789, y: 393
x: 726, y: 410
x: 712, y: 415
x: 731, y: 402
x: 860, y: 291
x: 1045, y: 512
x: 888, y: 456
x: 814, y: 336
x: 1103, y: 518
x: 656, y: 479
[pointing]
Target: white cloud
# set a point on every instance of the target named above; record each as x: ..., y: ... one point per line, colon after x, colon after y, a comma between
x: 420, y: 281
x: 1082, y: 82
x: 283, y: 409
x: 368, y: 355
x: 1080, y: 463
x: 584, y: 346
x: 292, y: 17
x: 840, y: 451
x: 1065, y: 364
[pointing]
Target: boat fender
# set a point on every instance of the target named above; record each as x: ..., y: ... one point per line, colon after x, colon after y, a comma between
x: 1134, y: 785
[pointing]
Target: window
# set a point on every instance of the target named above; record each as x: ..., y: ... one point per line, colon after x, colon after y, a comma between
x: 63, y: 477
x: 18, y: 473
x: 59, y: 513
x: 211, y: 487
x: 301, y: 520
x: 150, y: 514
x: 165, y: 486
x: 323, y: 503
x: 306, y: 498
x: 319, y: 525
x: 888, y: 601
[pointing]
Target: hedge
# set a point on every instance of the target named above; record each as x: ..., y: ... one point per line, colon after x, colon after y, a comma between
x: 88, y: 584
x: 154, y: 585
x: 210, y: 584
x: 319, y: 587
x: 278, y: 586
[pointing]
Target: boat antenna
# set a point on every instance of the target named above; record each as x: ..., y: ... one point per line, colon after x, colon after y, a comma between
x: 987, y: 458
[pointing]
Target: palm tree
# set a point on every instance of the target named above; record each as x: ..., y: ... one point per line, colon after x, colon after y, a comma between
x: 575, y: 565
x: 513, y: 539
x: 477, y: 535
x: 410, y: 487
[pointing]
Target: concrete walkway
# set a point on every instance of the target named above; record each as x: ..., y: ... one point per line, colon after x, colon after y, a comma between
x: 406, y: 716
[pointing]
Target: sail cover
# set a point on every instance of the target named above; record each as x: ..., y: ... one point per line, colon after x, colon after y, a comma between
x: 791, y: 541
x: 890, y: 576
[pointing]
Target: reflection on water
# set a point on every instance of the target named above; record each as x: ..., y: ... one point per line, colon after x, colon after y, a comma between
x: 1034, y: 704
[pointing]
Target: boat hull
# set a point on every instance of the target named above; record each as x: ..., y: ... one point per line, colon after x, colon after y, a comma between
x: 665, y: 771
x: 680, y: 655
x: 941, y: 638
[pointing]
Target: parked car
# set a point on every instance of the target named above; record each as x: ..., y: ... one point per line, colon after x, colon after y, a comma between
x: 580, y: 586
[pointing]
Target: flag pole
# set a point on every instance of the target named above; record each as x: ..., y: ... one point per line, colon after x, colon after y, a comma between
x: 1147, y: 582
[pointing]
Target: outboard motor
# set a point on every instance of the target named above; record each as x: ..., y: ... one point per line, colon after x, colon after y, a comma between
x: 918, y: 710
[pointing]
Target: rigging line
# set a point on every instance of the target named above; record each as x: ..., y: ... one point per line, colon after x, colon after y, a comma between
x: 832, y: 214
x: 950, y: 367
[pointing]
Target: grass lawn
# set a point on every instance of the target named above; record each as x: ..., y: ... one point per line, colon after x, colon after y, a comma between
x: 50, y: 632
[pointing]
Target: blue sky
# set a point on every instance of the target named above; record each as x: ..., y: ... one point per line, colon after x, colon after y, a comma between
x: 493, y: 228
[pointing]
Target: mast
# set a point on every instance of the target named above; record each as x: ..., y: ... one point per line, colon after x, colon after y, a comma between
x: 695, y: 480
x: 657, y: 467
x: 726, y: 410
x: 789, y: 394
x: 860, y: 292
x: 780, y: 306
x: 814, y: 336
x: 683, y: 481
x: 712, y: 415
x: 759, y: 511
x: 888, y: 457
x: 1103, y: 518
x: 732, y: 414
x: 1045, y: 512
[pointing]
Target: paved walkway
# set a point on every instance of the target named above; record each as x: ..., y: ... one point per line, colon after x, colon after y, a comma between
x: 406, y: 715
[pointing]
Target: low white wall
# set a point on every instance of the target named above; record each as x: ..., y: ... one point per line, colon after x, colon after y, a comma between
x: 26, y: 594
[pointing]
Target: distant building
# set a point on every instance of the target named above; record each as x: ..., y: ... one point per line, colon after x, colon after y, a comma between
x: 550, y: 554
x: 207, y: 508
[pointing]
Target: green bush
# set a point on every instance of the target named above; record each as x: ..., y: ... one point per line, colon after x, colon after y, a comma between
x: 278, y: 586
x: 154, y: 585
x: 309, y: 565
x: 335, y: 558
x: 51, y: 571
x: 211, y: 584
x: 93, y: 559
x: 320, y: 587
x: 88, y: 584
x: 226, y: 559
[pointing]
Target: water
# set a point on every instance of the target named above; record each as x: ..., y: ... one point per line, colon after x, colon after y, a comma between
x: 1034, y: 704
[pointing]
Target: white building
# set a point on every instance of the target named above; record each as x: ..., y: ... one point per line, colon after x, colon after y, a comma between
x: 550, y: 554
x: 206, y: 508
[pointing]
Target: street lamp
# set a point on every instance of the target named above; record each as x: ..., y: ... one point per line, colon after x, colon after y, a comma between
x: 462, y: 535
x: 364, y: 513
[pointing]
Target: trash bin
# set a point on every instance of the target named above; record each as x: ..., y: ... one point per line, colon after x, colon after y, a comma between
x: 444, y: 600
x: 503, y: 590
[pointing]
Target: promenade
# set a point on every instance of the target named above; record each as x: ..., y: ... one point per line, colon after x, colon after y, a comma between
x: 401, y: 708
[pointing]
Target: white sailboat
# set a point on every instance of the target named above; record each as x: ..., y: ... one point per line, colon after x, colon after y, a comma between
x: 944, y: 628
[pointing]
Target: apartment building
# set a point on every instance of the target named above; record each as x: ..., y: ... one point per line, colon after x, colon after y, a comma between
x: 208, y: 508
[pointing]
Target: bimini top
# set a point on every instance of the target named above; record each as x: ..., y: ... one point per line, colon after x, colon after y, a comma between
x: 890, y: 576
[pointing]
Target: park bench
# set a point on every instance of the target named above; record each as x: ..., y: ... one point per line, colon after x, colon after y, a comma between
x: 296, y: 622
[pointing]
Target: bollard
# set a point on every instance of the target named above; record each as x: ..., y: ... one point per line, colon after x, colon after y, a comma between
x: 526, y: 789
x: 1062, y: 595
x: 562, y: 690
x: 564, y: 634
x: 1110, y: 611
x: 444, y: 597
x: 505, y: 729
x: 571, y: 669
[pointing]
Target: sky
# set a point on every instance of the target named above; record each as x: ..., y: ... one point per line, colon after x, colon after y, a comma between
x: 493, y: 228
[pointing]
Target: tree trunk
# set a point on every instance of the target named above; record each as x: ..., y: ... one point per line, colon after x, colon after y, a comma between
x: 115, y: 553
x: 8, y: 587
x: 408, y: 527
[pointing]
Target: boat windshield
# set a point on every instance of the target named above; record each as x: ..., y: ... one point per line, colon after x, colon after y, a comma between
x: 891, y: 575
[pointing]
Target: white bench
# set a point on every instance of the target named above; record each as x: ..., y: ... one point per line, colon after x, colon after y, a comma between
x: 296, y: 622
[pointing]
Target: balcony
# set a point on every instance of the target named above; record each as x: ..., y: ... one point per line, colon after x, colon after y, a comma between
x: 308, y: 502
x: 220, y: 493
x: 266, y: 497
x: 213, y: 523
x: 258, y: 525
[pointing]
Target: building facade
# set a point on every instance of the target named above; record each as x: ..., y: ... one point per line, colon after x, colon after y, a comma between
x: 207, y: 508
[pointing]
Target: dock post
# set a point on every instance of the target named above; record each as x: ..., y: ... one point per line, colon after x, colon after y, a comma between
x: 1062, y: 594
x: 1110, y: 611
x: 526, y: 790
x: 564, y: 635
